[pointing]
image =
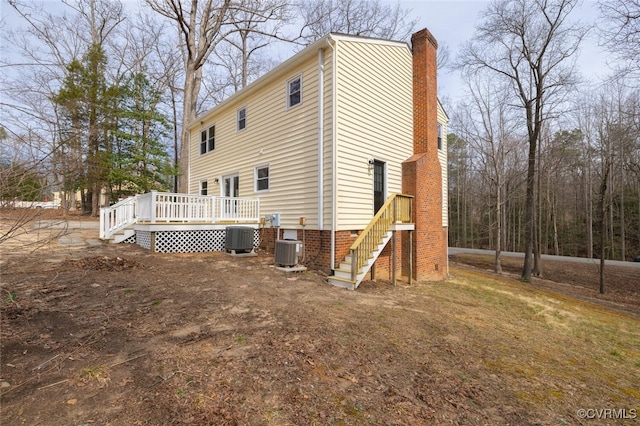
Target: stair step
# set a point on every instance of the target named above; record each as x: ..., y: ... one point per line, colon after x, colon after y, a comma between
x: 342, y: 282
x: 121, y: 235
x: 342, y: 273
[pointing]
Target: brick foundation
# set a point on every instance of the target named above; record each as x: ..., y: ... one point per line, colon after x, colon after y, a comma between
x: 317, y: 251
x: 317, y: 246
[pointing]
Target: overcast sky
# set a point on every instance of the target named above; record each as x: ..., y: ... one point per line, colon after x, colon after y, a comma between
x: 452, y: 22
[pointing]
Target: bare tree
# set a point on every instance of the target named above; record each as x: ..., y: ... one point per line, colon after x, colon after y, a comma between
x: 254, y: 31
x: 621, y: 32
x: 606, y: 119
x: 51, y: 42
x: 23, y: 181
x: 202, y: 25
x: 459, y: 160
x: 370, y: 18
x: 486, y: 121
x: 531, y: 44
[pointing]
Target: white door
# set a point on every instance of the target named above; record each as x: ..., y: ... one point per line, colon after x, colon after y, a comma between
x: 230, y: 188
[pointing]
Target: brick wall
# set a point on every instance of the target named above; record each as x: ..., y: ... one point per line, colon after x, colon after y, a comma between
x: 421, y: 174
x: 383, y: 267
x: 317, y: 246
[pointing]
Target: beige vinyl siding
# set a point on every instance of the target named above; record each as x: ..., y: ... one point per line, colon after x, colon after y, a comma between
x: 374, y: 116
x: 286, y: 139
x: 328, y: 138
x: 442, y: 157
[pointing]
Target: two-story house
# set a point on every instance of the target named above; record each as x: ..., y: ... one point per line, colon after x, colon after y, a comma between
x: 321, y: 141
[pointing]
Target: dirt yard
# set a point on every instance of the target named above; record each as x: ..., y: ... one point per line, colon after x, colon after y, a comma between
x: 114, y: 335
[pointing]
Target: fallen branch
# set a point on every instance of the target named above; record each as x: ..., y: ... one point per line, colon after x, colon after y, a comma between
x: 18, y: 386
x: 224, y: 350
x: 53, y: 384
x: 45, y: 363
x: 115, y: 364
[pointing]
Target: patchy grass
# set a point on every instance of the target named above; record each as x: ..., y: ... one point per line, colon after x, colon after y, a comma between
x: 552, y: 348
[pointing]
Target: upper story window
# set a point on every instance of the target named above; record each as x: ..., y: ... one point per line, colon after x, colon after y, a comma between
x: 294, y: 91
x: 207, y: 140
x: 262, y: 178
x: 203, y: 187
x: 439, y: 136
x: 242, y: 118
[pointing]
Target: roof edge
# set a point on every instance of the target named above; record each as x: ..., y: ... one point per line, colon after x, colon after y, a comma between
x: 297, y: 57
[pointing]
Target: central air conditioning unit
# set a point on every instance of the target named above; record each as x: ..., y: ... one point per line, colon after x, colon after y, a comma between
x: 287, y: 252
x: 239, y: 239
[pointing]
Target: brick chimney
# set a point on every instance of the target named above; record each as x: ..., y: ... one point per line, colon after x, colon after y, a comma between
x: 422, y: 173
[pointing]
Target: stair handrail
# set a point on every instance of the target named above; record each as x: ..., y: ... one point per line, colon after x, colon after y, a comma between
x: 396, y: 209
x: 117, y: 217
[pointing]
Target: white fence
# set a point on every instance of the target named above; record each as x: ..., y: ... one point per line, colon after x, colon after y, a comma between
x: 165, y: 207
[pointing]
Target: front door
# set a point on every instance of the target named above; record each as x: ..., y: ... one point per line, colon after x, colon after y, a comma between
x: 378, y: 185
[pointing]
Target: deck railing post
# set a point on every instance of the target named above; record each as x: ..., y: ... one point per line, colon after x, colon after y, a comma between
x: 152, y: 212
x: 393, y: 257
x: 103, y: 220
x: 212, y: 202
x: 354, y: 263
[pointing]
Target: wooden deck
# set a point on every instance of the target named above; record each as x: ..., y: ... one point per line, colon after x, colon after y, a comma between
x: 173, y: 209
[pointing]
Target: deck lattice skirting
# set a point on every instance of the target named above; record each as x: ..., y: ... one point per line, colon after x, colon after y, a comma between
x: 197, y: 241
x: 179, y: 223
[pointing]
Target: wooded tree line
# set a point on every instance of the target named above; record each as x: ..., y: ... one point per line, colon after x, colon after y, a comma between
x: 98, y: 95
x: 538, y: 154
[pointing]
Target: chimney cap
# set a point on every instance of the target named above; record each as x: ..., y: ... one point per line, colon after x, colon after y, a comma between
x: 422, y: 35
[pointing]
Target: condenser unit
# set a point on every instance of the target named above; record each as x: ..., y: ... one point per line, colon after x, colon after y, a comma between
x: 239, y: 239
x: 287, y: 252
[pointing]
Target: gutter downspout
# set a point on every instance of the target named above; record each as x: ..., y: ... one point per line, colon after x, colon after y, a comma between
x: 189, y: 164
x: 334, y: 184
x: 320, y: 139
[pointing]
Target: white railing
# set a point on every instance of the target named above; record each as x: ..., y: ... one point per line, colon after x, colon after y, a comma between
x: 169, y: 207
x: 117, y: 217
x: 154, y: 207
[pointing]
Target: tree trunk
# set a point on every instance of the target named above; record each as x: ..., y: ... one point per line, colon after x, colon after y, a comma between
x: 537, y: 268
x: 623, y: 247
x: 589, y: 208
x: 612, y: 234
x: 529, y: 216
x: 192, y: 84
x: 498, y: 264
x: 176, y: 143
x: 556, y: 247
x: 602, y: 212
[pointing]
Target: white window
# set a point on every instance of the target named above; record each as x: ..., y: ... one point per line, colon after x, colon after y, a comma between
x: 207, y: 140
x: 294, y: 91
x: 262, y: 178
x: 242, y: 118
x: 439, y: 136
x: 203, y: 187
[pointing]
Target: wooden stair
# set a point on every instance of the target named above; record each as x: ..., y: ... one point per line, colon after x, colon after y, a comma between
x: 121, y: 235
x: 366, y: 249
x: 342, y: 276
